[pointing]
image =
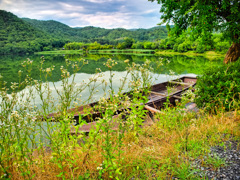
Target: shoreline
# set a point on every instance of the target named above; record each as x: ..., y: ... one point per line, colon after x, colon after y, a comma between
x: 207, y: 54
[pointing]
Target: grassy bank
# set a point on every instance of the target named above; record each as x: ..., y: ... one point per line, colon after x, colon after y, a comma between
x: 208, y: 54
x: 123, y: 51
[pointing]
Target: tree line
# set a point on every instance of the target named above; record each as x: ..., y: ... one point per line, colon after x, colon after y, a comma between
x: 185, y: 42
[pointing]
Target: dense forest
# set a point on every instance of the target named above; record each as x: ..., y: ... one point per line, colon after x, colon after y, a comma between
x: 21, y: 36
x: 18, y: 37
x: 91, y: 34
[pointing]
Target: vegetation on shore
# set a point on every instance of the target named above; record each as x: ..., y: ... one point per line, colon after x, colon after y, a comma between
x: 166, y: 149
x: 203, y: 18
x: 60, y: 52
x: 182, y: 44
x: 208, y: 54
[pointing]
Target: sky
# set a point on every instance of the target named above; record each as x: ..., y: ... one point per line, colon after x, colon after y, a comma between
x: 128, y: 14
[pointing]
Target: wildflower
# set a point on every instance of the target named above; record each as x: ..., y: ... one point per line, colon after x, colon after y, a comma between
x: 48, y: 70
x: 99, y: 168
x: 171, y: 72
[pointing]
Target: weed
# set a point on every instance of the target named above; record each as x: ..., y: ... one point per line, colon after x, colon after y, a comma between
x: 184, y: 171
x: 214, y: 161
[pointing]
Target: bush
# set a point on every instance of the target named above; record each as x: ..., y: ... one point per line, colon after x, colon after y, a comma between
x: 200, y: 48
x: 175, y: 47
x: 182, y: 47
x: 222, y: 46
x: 219, y: 87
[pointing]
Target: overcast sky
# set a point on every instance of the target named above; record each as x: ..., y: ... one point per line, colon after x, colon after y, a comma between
x: 80, y: 13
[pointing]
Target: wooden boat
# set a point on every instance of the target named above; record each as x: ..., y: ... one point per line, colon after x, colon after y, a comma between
x: 171, y: 90
x: 159, y: 94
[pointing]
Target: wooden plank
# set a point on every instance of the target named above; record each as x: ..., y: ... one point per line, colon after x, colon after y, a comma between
x: 182, y: 83
x: 153, y: 110
x: 157, y: 93
x: 178, y: 97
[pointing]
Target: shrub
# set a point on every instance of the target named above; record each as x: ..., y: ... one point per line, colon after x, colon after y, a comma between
x: 222, y: 46
x: 200, y: 48
x: 182, y: 47
x: 219, y: 87
x: 175, y: 47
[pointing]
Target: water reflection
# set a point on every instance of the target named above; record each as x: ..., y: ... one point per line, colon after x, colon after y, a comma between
x: 10, y: 65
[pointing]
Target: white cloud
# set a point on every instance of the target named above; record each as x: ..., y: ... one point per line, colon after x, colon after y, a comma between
x: 102, y: 1
x: 70, y: 7
x: 113, y: 20
x: 99, y: 13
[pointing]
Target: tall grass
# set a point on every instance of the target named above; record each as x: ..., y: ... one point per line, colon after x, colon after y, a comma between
x: 119, y: 146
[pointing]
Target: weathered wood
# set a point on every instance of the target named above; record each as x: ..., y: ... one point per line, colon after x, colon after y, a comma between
x: 165, y: 95
x: 182, y: 83
x: 153, y: 110
x: 157, y: 93
x: 177, y: 97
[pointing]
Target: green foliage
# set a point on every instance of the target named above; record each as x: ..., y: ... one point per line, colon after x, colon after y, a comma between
x: 200, y: 48
x: 186, y: 42
x: 91, y: 34
x: 203, y: 17
x: 21, y: 36
x: 185, y: 171
x: 18, y: 37
x: 219, y: 87
x: 182, y: 47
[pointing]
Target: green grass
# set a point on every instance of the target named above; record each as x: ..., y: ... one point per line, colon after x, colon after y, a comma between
x: 123, y: 51
x: 211, y: 55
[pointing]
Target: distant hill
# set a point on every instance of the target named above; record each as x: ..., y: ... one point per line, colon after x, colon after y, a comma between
x: 17, y: 36
x: 53, y: 28
x: 91, y: 34
x: 30, y: 35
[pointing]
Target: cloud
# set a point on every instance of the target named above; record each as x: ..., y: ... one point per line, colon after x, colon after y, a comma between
x: 80, y: 13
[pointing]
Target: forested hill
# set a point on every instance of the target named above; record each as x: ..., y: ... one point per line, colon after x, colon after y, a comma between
x: 30, y: 35
x: 17, y: 36
x: 101, y: 35
x: 53, y: 28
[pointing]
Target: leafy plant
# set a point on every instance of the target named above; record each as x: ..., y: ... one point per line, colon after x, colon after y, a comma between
x: 219, y: 87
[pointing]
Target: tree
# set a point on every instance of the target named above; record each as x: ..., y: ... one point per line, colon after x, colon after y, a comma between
x: 204, y: 17
x: 128, y: 42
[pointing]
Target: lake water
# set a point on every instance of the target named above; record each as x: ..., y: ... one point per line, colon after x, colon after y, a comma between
x: 180, y: 65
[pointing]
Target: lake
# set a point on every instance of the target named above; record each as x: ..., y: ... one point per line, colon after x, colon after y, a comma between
x: 180, y: 65
x: 10, y: 66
